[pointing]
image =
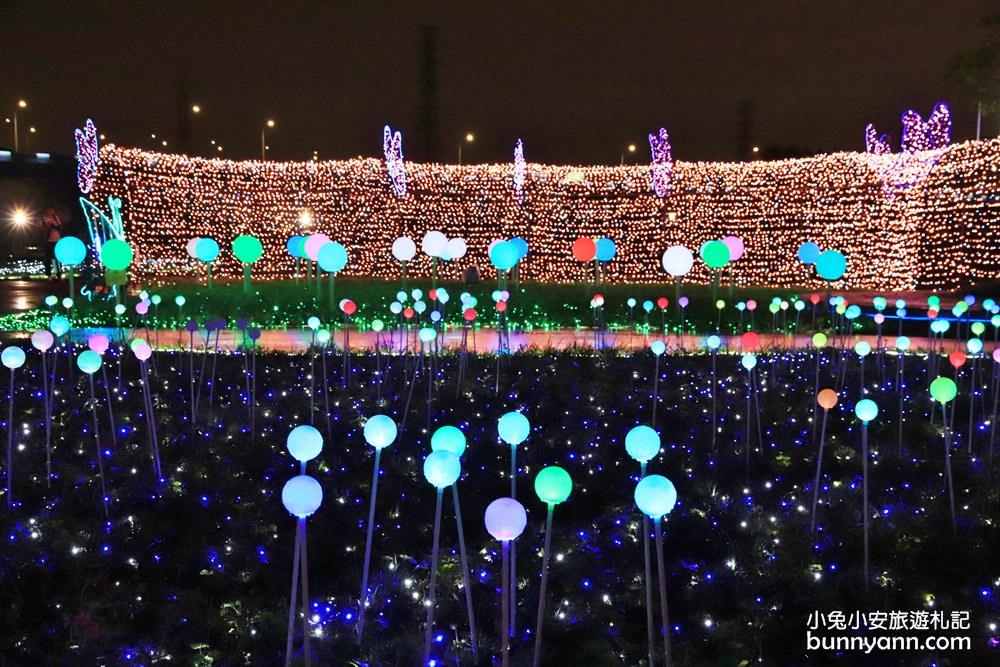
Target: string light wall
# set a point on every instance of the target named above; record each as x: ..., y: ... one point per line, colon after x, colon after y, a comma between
x: 939, y: 233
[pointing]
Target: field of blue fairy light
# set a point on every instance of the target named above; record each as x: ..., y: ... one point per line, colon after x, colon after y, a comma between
x: 196, y: 569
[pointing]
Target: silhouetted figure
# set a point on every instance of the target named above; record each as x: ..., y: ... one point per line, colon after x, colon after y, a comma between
x: 52, y: 231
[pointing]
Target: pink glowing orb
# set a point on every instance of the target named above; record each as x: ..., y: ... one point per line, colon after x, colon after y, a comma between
x: 313, y: 243
x: 736, y: 247
x: 98, y: 343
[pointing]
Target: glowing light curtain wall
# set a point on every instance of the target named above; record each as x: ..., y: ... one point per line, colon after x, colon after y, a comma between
x: 935, y: 233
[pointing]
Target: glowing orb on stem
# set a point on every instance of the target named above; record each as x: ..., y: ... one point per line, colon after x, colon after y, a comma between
x: 304, y: 443
x: 302, y: 495
x: 553, y: 485
x: 866, y: 410
x: 505, y: 519
x: 12, y: 357
x: 808, y: 252
x: 116, y: 255
x: 449, y: 439
x: 42, y: 340
x: 207, y: 250
x: 715, y: 254
x: 70, y: 251
x: 655, y: 496
x: 831, y: 265
x: 380, y: 431
x: 248, y: 249
x: 513, y: 428
x: 89, y: 362
x: 943, y: 389
x: 332, y: 257
x: 827, y: 398
x: 442, y: 468
x: 642, y: 443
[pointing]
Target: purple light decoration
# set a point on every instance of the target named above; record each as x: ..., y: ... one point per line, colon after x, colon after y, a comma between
x: 392, y: 146
x: 919, y: 135
x: 875, y: 144
x: 663, y: 162
x: 86, y: 156
x: 915, y: 160
x: 520, y: 169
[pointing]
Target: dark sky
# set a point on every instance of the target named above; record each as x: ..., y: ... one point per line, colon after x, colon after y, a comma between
x: 578, y: 81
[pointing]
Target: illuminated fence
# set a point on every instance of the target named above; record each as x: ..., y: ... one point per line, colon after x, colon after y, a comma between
x: 938, y: 233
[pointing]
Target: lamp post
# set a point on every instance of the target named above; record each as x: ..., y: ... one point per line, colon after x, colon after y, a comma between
x: 631, y: 149
x: 263, y: 139
x: 21, y: 104
x: 469, y: 138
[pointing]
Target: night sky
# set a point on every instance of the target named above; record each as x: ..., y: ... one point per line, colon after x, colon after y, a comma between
x: 577, y: 81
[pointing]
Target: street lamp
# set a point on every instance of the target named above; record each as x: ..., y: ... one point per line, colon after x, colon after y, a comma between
x: 469, y: 138
x: 263, y: 139
x: 21, y: 104
x: 196, y: 109
x: 631, y: 149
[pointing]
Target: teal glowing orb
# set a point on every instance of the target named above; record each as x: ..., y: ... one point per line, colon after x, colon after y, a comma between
x: 59, y: 325
x: 206, y: 250
x: 313, y: 323
x: 504, y: 255
x: 606, y: 250
x: 831, y: 265
x: 304, y: 443
x: 715, y: 254
x: 903, y: 343
x: 323, y: 336
x: 940, y: 326
x: 332, y: 257
x: 116, y: 255
x: 427, y: 334
x: 442, y: 468
x: 974, y: 346
x: 513, y: 428
x: 862, y: 348
x: 51, y: 300
x: 505, y: 519
x: 642, y: 443
x: 70, y: 251
x: 808, y: 252
x: 658, y: 347
x: 12, y: 357
x: 302, y: 495
x: 713, y: 342
x: 449, y: 439
x: 749, y: 361
x: 553, y: 485
x: 655, y: 496
x: 377, y: 325
x: 89, y: 362
x: 294, y: 246
x: 866, y: 410
x: 380, y: 431
x: 180, y: 300
x: 248, y: 249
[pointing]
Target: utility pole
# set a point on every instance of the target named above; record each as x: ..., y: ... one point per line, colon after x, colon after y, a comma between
x: 746, y: 111
x: 427, y: 96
